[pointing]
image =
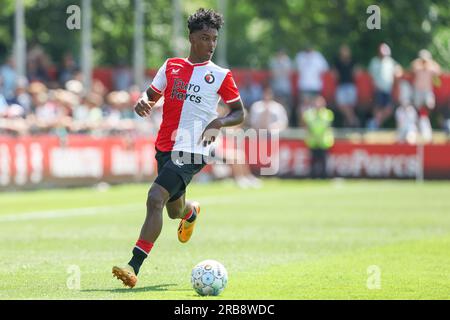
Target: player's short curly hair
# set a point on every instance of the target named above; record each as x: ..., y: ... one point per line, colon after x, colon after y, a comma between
x: 205, y: 18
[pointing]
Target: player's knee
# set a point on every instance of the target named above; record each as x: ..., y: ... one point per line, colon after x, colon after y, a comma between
x: 155, y: 200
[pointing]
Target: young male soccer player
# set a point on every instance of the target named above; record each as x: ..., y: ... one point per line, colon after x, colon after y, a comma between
x: 192, y: 88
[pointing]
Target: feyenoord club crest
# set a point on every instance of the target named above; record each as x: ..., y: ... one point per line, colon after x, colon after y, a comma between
x: 209, y: 78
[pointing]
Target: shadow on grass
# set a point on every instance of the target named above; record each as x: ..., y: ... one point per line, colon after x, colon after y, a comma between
x: 158, y: 287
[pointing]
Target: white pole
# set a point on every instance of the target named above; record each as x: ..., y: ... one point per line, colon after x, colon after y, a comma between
x: 20, y: 43
x: 222, y: 43
x: 177, y: 28
x: 139, y: 51
x: 86, y: 45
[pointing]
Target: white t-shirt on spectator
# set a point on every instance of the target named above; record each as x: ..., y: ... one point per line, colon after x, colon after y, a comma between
x: 268, y: 115
x: 310, y: 66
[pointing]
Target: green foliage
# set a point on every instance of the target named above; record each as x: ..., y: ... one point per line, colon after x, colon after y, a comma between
x: 255, y: 28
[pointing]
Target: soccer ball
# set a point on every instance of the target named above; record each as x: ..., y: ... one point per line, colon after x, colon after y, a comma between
x: 209, y: 278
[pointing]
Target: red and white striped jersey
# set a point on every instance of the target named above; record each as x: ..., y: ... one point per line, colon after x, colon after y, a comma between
x: 191, y: 93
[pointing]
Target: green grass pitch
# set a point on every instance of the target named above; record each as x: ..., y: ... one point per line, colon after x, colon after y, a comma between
x: 287, y: 240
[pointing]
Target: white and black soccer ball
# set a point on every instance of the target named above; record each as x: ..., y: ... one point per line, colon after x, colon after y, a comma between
x: 209, y: 278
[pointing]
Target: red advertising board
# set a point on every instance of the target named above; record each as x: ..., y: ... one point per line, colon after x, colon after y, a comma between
x: 47, y: 161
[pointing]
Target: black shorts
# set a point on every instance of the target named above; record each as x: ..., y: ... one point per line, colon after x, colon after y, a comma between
x: 383, y: 99
x: 175, y: 176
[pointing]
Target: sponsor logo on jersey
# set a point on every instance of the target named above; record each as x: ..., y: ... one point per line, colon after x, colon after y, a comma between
x: 185, y: 91
x: 209, y: 78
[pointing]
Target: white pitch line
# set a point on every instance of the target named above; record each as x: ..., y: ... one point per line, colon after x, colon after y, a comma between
x: 63, y: 213
x: 88, y: 211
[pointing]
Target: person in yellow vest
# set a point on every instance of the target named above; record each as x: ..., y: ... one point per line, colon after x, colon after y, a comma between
x: 319, y: 139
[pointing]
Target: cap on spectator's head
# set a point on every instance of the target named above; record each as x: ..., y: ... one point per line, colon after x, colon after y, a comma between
x: 425, y: 54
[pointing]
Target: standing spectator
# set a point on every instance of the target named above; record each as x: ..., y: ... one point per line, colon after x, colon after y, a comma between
x: 268, y: 114
x: 320, y: 138
x: 346, y: 94
x: 425, y: 70
x: 9, y: 78
x: 310, y: 66
x: 383, y: 70
x: 122, y: 77
x: 280, y: 79
x: 67, y: 70
x: 445, y: 118
x: 251, y: 91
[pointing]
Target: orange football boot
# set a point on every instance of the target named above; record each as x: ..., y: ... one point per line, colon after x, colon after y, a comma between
x: 185, y: 232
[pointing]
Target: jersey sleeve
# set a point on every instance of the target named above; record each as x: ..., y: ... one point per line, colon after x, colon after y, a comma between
x: 159, y: 83
x: 228, y: 91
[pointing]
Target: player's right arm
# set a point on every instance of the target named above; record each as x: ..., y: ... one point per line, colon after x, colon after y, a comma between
x: 153, y: 93
x: 146, y: 102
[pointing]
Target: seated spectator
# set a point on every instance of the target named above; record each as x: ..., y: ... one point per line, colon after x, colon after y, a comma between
x: 406, y: 115
x: 268, y: 114
x: 346, y: 94
x: 230, y: 151
x: 22, y: 97
x: 120, y: 113
x: 88, y: 115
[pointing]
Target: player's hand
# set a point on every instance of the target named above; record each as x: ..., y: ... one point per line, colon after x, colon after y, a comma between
x: 143, y: 107
x: 210, y: 133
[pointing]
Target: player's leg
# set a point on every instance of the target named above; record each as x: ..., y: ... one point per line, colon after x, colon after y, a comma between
x: 166, y: 184
x: 157, y: 197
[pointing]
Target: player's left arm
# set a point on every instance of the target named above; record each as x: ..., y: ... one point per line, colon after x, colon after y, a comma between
x: 233, y: 118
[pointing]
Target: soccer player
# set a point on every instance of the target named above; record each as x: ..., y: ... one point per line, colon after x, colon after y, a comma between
x: 192, y: 88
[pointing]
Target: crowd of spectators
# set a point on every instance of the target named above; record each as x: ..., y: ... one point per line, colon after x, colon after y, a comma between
x: 58, y: 103
x: 409, y: 112
x: 41, y: 104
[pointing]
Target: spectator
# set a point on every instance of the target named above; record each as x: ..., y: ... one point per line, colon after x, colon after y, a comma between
x: 320, y: 138
x: 310, y: 66
x: 280, y: 74
x: 88, y: 114
x: 346, y: 94
x: 383, y: 70
x: 122, y: 77
x: 406, y: 115
x: 9, y: 78
x: 250, y: 91
x: 445, y: 118
x: 67, y: 70
x: 22, y: 97
x: 425, y: 71
x: 268, y: 114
